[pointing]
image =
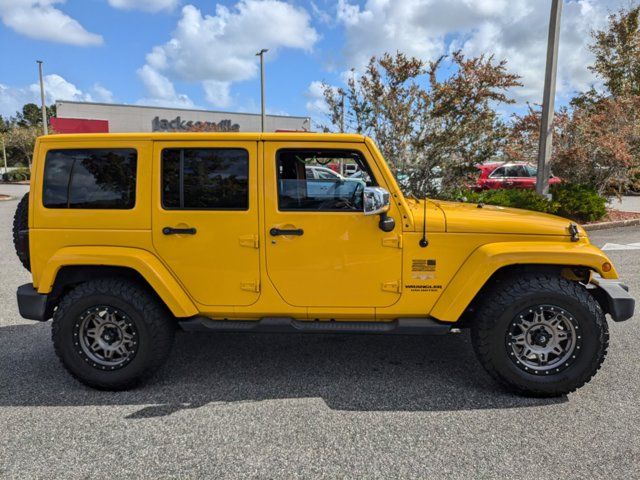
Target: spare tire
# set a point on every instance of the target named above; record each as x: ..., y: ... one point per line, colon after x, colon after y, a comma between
x: 21, y: 232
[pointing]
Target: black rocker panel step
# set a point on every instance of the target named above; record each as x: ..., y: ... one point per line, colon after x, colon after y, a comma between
x: 401, y: 326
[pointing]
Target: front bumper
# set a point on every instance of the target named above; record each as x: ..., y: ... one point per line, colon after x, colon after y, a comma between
x: 32, y: 305
x: 614, y: 298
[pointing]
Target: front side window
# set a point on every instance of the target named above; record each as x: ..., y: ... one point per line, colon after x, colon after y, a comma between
x: 205, y: 179
x: 90, y: 178
x: 309, y: 180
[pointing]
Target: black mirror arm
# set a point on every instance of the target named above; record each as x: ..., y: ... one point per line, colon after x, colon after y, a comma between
x: 387, y: 223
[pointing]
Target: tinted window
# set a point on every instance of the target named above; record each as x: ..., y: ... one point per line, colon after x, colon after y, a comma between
x: 205, y: 179
x: 520, y: 171
x: 499, y: 172
x: 90, y: 178
x: 308, y: 180
x: 515, y: 171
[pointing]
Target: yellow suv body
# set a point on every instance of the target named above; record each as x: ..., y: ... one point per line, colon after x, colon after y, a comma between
x: 263, y: 232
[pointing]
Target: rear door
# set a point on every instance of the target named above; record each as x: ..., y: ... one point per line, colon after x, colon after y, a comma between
x: 205, y: 218
x: 521, y: 178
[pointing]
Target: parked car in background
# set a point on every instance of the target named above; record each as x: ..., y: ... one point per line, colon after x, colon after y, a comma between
x: 497, y: 175
x: 322, y: 182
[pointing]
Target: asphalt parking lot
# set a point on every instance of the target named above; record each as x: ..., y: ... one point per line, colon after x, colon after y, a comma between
x: 285, y: 406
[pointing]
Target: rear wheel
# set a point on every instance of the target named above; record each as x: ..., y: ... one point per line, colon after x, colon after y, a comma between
x: 20, y: 231
x: 111, y: 334
x: 540, y: 334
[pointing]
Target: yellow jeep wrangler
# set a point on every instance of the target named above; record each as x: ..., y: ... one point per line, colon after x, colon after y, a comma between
x: 129, y: 236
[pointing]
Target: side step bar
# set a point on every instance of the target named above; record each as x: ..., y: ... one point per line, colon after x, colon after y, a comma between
x: 400, y: 326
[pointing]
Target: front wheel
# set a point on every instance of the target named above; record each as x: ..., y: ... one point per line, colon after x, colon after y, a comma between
x: 540, y: 334
x: 111, y: 334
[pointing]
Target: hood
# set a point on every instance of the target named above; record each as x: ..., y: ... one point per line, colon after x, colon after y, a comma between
x: 470, y: 218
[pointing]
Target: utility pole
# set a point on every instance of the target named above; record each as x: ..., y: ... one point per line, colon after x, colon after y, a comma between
x: 342, y: 112
x: 548, y: 100
x: 45, y: 127
x: 261, y: 55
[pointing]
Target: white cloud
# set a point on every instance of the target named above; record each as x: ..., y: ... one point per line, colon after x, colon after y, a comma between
x: 40, y: 19
x: 102, y: 94
x: 12, y: 99
x: 56, y: 88
x: 161, y: 90
x: 512, y: 29
x: 217, y: 93
x: 316, y: 104
x: 320, y: 14
x: 146, y: 5
x: 220, y: 49
x: 157, y: 84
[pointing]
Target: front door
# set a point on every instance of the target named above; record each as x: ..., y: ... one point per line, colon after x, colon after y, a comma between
x: 205, y: 218
x: 322, y: 251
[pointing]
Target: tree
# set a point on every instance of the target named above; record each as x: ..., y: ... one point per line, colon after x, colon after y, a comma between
x: 385, y: 103
x: 31, y: 115
x: 5, y: 124
x: 617, y: 52
x: 466, y: 127
x: 20, y: 142
x: 599, y: 144
x: 594, y: 144
x: 602, y: 137
x: 442, y: 129
x: 523, y: 139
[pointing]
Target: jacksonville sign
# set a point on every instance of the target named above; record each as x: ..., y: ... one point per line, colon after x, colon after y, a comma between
x: 179, y: 125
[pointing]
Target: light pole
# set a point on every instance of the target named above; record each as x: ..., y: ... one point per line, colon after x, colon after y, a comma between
x: 261, y: 55
x: 45, y: 128
x: 342, y: 112
x: 548, y: 100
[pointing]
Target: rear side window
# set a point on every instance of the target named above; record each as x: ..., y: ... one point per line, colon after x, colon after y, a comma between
x: 90, y: 178
x: 205, y: 179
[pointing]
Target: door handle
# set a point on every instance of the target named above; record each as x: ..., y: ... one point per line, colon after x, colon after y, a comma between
x: 179, y: 231
x: 278, y: 231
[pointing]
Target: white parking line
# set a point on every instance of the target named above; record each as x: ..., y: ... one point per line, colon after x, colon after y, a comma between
x: 621, y: 246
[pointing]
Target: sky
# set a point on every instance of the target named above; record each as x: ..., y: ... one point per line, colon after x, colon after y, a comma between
x: 201, y: 54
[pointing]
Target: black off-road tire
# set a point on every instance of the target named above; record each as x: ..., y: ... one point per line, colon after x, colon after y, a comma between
x: 517, y: 293
x: 154, y: 325
x: 21, y: 223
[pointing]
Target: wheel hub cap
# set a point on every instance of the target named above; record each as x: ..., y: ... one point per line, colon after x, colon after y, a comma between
x: 106, y: 338
x: 543, y: 339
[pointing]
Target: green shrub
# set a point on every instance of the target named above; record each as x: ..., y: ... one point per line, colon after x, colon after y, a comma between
x: 579, y: 202
x: 514, y: 198
x: 18, y: 175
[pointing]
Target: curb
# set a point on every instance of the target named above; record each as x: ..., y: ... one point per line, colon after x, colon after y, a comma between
x: 617, y: 224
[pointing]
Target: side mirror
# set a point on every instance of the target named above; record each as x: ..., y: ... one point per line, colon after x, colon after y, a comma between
x: 375, y: 200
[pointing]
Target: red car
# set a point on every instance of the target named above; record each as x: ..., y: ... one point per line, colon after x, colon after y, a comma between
x: 509, y: 175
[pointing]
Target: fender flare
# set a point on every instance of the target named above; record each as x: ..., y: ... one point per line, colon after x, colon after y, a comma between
x: 142, y: 261
x: 488, y: 259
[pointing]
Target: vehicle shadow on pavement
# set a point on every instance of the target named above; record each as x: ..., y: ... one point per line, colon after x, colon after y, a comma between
x: 348, y: 372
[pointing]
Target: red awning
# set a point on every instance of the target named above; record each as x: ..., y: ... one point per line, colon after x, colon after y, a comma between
x: 79, y: 125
